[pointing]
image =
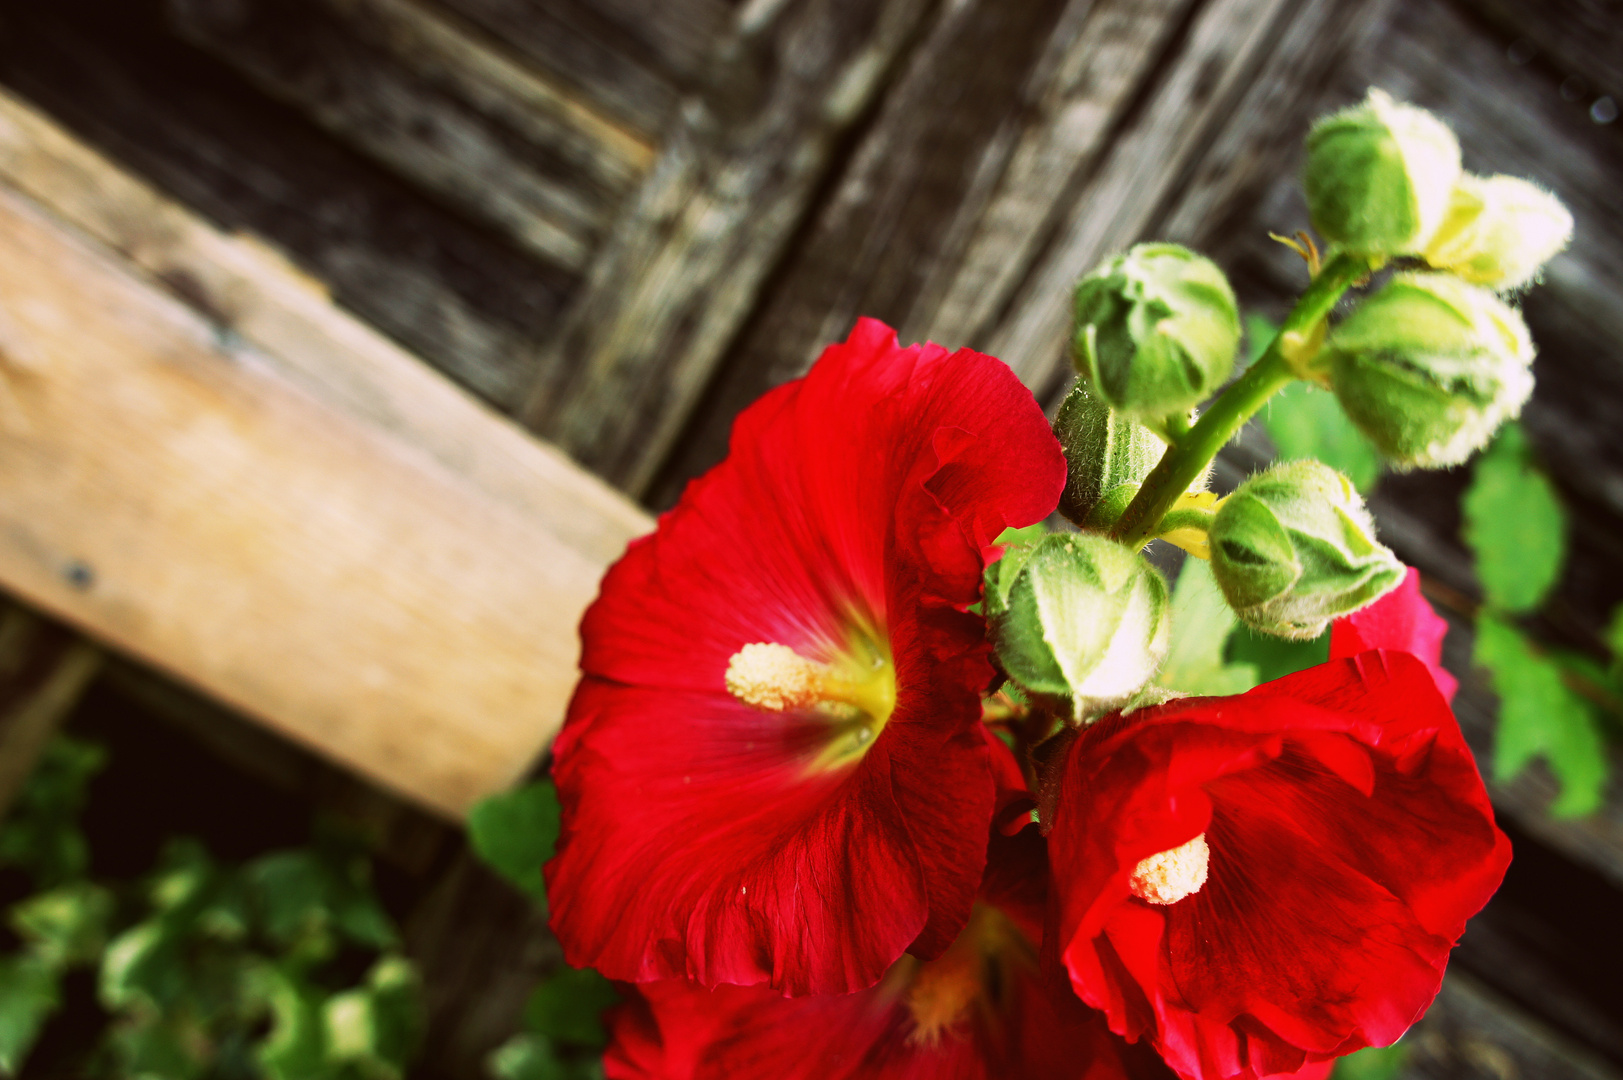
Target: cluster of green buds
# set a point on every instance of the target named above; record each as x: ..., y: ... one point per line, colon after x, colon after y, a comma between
x: 1428, y: 364
x: 1431, y: 364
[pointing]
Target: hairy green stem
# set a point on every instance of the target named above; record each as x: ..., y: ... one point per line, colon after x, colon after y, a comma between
x: 1186, y: 460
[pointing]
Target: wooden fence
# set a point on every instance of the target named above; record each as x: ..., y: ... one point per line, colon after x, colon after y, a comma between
x: 341, y: 339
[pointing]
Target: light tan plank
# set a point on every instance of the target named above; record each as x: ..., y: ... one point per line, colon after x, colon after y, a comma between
x: 258, y: 297
x: 194, y: 507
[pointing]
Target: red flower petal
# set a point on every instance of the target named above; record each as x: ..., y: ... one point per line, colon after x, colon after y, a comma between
x: 1013, y: 1025
x: 705, y: 839
x: 1402, y: 621
x: 1350, y: 838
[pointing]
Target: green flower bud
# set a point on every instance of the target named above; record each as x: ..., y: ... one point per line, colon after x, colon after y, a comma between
x: 1081, y: 617
x: 1107, y: 457
x: 1499, y: 230
x: 1156, y: 332
x: 1379, y: 176
x: 1429, y: 367
x: 1294, y: 548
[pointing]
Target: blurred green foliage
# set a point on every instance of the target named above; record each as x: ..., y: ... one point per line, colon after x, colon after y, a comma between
x: 204, y: 970
x: 514, y: 832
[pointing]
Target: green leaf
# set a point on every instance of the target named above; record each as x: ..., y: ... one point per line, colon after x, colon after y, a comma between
x: 1614, y: 639
x: 1260, y: 332
x: 376, y: 1025
x: 1515, y: 524
x: 532, y: 1057
x: 296, y: 1046
x: 66, y: 926
x: 41, y: 836
x: 29, y: 994
x: 1275, y: 657
x: 143, y: 966
x: 1539, y: 715
x: 568, y: 1007
x: 1305, y: 421
x: 1374, y: 1063
x: 514, y: 833
x: 1028, y: 535
x: 1201, y: 624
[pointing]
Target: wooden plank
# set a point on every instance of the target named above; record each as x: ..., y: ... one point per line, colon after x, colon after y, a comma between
x: 1471, y: 1033
x: 499, y: 141
x: 1582, y: 38
x: 632, y: 57
x: 185, y: 502
x: 450, y: 290
x: 673, y: 286
x: 253, y: 294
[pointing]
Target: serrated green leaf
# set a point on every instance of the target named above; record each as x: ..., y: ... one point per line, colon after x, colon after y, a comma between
x: 1373, y: 1063
x: 568, y: 1007
x: 1540, y: 716
x: 514, y: 832
x: 29, y: 994
x: 1201, y: 625
x: 1515, y: 524
x: 1305, y: 421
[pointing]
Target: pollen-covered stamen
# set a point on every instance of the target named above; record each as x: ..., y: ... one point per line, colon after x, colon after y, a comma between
x: 774, y: 677
x: 1168, y: 876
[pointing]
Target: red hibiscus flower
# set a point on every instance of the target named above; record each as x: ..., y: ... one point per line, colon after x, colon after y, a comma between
x: 1403, y: 621
x: 773, y: 771
x: 1260, y: 883
x: 980, y: 1010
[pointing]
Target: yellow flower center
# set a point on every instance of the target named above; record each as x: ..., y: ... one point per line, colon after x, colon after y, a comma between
x: 977, y: 971
x: 1168, y: 876
x: 854, y: 694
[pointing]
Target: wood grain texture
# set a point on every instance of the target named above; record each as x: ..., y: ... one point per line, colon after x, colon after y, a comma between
x: 181, y: 500
x: 634, y: 58
x: 671, y: 289
x: 1582, y: 38
x: 907, y: 204
x: 44, y: 670
x: 499, y: 141
x: 253, y: 294
x: 464, y: 298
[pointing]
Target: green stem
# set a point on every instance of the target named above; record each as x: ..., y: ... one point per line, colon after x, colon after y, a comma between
x: 1186, y: 460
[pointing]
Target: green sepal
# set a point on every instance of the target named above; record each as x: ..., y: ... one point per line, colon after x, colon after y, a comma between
x: 1082, y: 620
x: 1294, y: 547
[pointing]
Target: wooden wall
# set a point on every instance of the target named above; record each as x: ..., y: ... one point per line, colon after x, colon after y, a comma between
x: 617, y: 222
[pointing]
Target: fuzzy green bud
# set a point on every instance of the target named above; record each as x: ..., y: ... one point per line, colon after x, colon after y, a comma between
x: 1379, y: 176
x: 1156, y: 332
x: 1107, y: 456
x: 1429, y: 367
x: 1294, y: 547
x: 1498, y: 231
x: 1078, y: 617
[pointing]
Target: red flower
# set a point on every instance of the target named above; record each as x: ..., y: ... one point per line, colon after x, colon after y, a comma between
x: 773, y: 770
x: 1260, y: 883
x: 1403, y: 621
x: 981, y: 1010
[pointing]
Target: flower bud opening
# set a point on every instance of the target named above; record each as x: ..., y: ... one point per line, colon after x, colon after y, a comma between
x: 1168, y: 876
x: 1499, y: 231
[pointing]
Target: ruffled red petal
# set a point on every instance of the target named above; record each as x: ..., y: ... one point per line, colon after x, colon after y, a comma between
x: 1401, y: 621
x: 1033, y: 1030
x: 697, y: 841
x: 1350, y: 839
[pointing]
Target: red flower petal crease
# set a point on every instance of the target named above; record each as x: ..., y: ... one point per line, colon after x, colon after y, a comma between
x: 981, y: 1010
x: 783, y: 680
x: 1402, y: 621
x: 1349, y: 838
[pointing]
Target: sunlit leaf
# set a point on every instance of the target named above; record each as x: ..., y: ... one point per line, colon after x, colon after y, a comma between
x: 533, y: 1057
x: 514, y: 833
x: 1201, y: 624
x: 1540, y: 716
x: 29, y: 994
x: 65, y: 926
x: 568, y: 1007
x: 1515, y: 524
x: 1275, y: 657
x: 1305, y: 421
x: 1373, y: 1063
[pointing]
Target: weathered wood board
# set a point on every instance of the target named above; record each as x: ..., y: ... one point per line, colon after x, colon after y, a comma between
x: 389, y: 587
